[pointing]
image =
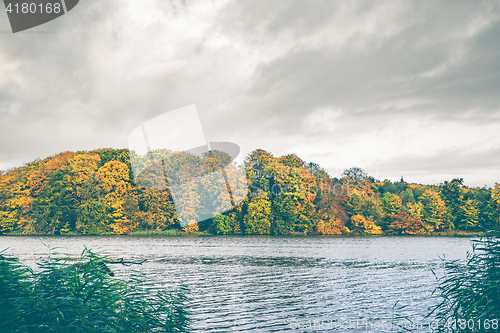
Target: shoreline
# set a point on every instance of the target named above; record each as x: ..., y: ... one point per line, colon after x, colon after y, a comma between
x: 180, y: 233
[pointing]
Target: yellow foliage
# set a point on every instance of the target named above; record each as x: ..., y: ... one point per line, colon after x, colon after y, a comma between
x: 191, y: 228
x: 363, y: 225
x: 332, y: 227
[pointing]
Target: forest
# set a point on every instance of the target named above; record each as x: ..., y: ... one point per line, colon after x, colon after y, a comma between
x: 96, y: 193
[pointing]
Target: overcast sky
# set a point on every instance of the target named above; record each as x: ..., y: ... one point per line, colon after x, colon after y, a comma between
x: 400, y: 88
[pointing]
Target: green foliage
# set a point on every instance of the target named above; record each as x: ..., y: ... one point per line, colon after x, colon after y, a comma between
x: 285, y: 212
x: 391, y: 203
x: 394, y: 188
x: 407, y: 196
x: 84, y: 297
x: 222, y: 224
x: 365, y: 205
x: 453, y: 195
x: 470, y: 214
x: 54, y: 210
x: 92, y: 218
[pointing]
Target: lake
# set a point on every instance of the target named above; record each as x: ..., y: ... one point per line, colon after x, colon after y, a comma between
x: 275, y: 284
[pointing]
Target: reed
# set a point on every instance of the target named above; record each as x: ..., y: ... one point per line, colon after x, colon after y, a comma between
x: 82, y: 296
x: 469, y: 293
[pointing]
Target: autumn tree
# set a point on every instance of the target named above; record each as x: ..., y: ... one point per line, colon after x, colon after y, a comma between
x: 365, y: 205
x: 291, y: 160
x: 361, y: 225
x: 113, y: 180
x: 54, y: 210
x: 469, y: 214
x: 258, y: 216
x: 494, y: 206
x: 16, y: 198
x: 354, y: 174
x: 453, y: 195
x: 156, y: 210
x: 407, y: 196
x: 83, y: 167
x: 391, y: 203
x: 435, y: 214
x: 92, y: 218
x: 331, y: 214
x: 403, y: 224
x: 415, y: 210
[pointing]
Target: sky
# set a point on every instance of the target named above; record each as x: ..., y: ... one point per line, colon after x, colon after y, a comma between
x: 399, y: 88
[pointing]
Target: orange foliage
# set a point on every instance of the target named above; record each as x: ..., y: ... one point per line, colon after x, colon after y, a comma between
x: 402, y: 223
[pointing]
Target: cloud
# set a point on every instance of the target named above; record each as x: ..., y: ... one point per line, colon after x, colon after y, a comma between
x: 383, y: 84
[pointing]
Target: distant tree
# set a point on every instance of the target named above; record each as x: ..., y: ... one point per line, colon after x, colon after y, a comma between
x: 330, y: 210
x: 483, y: 198
x: 92, y: 218
x: 255, y: 167
x: 360, y: 224
x: 113, y: 180
x: 83, y: 167
x: 39, y: 177
x: 222, y: 224
x: 156, y: 210
x: 453, y: 195
x: 415, y: 210
x: 54, y: 210
x: 317, y: 171
x: 363, y: 204
x: 354, y: 174
x: 292, y: 161
x: 435, y: 213
x: 258, y: 216
x: 256, y: 162
x: 494, y: 206
x: 403, y: 224
x: 121, y: 155
x: 470, y: 214
x: 417, y: 190
x: 331, y: 227
x: 193, y: 227
x: 285, y: 215
x: 391, y: 203
x: 407, y: 196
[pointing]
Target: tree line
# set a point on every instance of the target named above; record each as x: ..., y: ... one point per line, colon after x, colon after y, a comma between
x: 95, y: 192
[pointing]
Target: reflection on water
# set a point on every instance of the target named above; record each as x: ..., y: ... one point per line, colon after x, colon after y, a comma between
x: 265, y: 284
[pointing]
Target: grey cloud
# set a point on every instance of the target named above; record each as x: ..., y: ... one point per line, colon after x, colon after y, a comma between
x: 477, y: 167
x: 256, y: 70
x: 391, y: 68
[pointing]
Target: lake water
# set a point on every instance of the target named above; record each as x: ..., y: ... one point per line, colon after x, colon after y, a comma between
x: 275, y: 284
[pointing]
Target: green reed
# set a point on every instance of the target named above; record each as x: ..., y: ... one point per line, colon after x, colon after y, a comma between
x: 469, y: 293
x: 82, y: 296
